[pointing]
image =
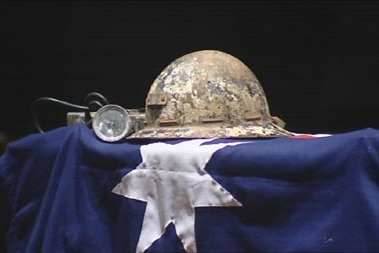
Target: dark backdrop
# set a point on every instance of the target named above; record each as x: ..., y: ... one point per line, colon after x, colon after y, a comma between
x: 317, y: 62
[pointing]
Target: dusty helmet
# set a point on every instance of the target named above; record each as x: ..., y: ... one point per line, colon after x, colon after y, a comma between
x: 206, y: 94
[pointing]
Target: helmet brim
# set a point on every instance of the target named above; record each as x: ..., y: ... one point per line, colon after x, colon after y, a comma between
x: 244, y: 130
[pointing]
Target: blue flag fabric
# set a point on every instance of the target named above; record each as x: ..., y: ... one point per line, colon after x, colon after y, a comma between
x: 70, y: 192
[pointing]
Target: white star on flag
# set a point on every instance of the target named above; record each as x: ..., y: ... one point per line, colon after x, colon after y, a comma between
x: 172, y: 181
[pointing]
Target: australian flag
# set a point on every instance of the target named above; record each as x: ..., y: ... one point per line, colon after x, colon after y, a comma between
x: 70, y: 192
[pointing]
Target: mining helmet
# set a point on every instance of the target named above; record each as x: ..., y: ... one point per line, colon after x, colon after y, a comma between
x: 208, y: 94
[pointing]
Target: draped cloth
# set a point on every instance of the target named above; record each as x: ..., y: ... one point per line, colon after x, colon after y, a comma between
x: 70, y: 192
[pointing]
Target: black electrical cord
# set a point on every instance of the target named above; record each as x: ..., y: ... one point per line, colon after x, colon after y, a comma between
x: 94, y: 101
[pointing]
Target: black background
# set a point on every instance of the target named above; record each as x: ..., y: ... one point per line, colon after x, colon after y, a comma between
x: 317, y: 61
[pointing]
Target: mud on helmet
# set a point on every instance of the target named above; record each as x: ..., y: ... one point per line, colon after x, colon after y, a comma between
x: 206, y: 94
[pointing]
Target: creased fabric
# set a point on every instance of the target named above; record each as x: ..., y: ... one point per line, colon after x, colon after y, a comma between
x: 70, y: 192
